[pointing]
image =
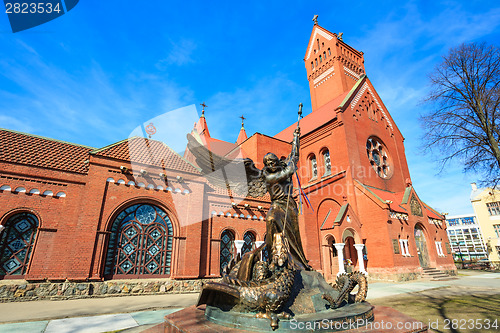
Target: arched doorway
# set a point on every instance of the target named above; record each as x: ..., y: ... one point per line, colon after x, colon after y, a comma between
x: 140, y: 243
x: 423, y: 254
x: 350, y: 252
x: 330, y: 258
x: 16, y: 244
x: 226, y: 248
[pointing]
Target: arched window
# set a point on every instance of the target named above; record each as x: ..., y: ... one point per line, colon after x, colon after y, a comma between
x: 265, y: 252
x: 226, y: 248
x: 16, y: 243
x: 140, y: 242
x: 327, y: 163
x: 314, y: 167
x: 249, y: 239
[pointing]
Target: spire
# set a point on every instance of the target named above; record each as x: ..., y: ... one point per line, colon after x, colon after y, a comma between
x: 201, y: 126
x: 243, y: 135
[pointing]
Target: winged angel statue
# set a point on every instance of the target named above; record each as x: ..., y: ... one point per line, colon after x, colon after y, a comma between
x: 275, y: 178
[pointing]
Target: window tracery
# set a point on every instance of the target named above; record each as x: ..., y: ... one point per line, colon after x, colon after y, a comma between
x: 379, y: 158
x: 140, y: 242
x: 16, y: 243
x: 226, y: 248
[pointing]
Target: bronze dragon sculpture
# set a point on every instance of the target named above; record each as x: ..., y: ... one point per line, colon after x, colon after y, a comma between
x: 344, y: 284
x: 267, y: 290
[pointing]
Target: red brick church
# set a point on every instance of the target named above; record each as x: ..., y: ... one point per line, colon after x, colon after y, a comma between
x: 79, y: 213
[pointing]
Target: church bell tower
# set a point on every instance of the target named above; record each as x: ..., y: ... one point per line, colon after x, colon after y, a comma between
x: 333, y: 67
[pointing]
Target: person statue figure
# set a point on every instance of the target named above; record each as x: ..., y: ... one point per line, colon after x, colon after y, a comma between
x: 275, y: 178
x: 282, y: 216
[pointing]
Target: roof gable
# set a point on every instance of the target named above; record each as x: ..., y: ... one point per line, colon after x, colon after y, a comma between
x: 317, y: 31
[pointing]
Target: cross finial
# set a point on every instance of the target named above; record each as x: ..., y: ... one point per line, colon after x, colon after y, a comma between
x: 203, y: 110
x: 242, y: 119
x: 315, y: 19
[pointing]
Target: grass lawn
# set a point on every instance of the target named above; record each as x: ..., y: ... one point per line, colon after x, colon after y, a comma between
x: 453, y: 309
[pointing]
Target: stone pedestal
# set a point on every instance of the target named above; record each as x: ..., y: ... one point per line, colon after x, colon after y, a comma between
x: 192, y: 320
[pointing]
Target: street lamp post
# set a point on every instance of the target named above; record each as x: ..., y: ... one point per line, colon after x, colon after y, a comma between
x: 460, y: 252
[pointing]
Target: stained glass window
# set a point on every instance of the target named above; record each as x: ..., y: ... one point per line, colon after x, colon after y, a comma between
x: 314, y: 167
x: 140, y: 242
x: 327, y: 163
x: 16, y: 243
x: 249, y: 239
x: 379, y: 159
x: 226, y: 248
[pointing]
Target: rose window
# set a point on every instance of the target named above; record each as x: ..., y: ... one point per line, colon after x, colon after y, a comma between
x: 379, y: 159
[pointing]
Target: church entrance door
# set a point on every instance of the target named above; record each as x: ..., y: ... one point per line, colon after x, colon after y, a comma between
x: 423, y: 254
x: 350, y: 251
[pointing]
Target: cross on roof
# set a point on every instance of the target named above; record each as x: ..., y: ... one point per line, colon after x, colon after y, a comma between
x: 242, y: 119
x: 203, y: 110
x: 315, y: 19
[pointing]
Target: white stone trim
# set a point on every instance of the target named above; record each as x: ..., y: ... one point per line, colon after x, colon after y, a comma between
x: 349, y: 71
x: 323, y: 77
x: 340, y: 252
x: 361, y: 261
x: 361, y: 92
x: 320, y: 32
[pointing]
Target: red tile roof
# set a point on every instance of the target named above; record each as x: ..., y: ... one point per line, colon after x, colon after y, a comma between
x: 395, y: 197
x: 313, y: 120
x: 431, y: 213
x: 146, y: 151
x: 28, y: 149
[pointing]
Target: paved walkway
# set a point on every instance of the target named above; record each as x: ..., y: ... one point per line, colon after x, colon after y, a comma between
x: 135, y: 313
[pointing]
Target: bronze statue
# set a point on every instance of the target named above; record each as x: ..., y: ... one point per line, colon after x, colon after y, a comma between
x: 275, y: 178
x: 279, y: 287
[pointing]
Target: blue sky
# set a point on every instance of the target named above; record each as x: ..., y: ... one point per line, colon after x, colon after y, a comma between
x: 99, y: 71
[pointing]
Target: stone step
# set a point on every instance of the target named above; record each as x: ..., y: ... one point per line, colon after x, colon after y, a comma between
x: 436, y: 275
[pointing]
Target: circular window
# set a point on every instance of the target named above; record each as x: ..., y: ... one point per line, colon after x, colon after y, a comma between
x: 377, y: 154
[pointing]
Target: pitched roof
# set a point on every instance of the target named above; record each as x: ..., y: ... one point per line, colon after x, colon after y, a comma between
x: 242, y: 136
x: 33, y: 150
x: 313, y: 120
x: 146, y: 151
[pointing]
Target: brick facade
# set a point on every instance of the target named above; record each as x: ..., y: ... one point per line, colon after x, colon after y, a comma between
x: 359, y: 189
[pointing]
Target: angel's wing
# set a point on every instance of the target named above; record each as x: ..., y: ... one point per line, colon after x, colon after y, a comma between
x: 239, y: 175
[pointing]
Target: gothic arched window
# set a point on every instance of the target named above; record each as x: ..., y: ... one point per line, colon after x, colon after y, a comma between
x: 314, y: 167
x: 140, y: 242
x: 327, y: 163
x: 249, y: 239
x: 16, y: 243
x: 226, y: 248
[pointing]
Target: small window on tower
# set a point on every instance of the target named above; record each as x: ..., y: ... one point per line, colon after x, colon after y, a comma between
x: 314, y: 167
x: 319, y: 47
x: 329, y: 52
x: 312, y: 65
x: 319, y: 58
x: 324, y: 55
x: 322, y: 44
x: 316, y: 61
x: 327, y: 163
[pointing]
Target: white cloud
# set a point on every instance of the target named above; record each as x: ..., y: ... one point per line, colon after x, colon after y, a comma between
x: 180, y: 54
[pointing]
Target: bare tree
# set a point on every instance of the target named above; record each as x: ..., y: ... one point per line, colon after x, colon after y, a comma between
x: 464, y: 121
